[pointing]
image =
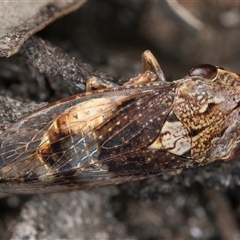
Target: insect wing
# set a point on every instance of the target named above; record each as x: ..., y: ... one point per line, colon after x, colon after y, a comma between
x: 79, y: 143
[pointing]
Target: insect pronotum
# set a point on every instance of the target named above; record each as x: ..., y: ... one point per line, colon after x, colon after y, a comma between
x: 145, y: 127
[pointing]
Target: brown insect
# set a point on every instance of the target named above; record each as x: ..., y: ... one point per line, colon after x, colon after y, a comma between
x: 116, y: 134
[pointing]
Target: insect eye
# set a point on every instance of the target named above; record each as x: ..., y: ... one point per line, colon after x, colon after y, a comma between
x: 203, y: 70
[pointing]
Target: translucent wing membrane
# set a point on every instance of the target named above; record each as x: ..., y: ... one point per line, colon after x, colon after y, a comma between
x: 81, y: 142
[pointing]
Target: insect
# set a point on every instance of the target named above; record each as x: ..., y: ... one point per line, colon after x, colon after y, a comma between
x: 143, y: 128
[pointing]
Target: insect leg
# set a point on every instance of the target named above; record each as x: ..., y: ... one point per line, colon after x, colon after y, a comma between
x: 149, y: 62
x: 145, y: 77
x: 98, y: 83
x: 151, y: 72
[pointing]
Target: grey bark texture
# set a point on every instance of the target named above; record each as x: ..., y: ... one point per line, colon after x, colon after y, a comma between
x: 20, y: 19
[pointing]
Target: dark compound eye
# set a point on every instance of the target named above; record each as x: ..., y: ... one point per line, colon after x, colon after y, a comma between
x: 203, y: 70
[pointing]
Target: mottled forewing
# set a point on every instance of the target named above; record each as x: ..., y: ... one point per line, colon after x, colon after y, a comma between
x: 112, y: 152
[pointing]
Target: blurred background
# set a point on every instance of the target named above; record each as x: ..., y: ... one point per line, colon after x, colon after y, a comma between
x: 111, y: 35
x: 180, y: 34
